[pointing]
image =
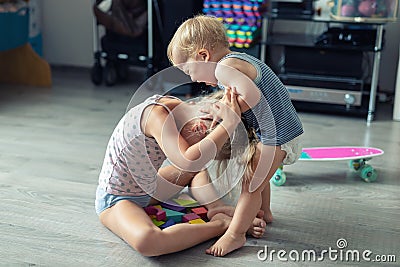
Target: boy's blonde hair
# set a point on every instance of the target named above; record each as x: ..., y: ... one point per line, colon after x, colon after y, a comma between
x: 199, y: 32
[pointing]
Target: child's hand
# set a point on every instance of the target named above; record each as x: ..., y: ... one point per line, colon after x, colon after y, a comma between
x: 230, y: 100
x: 222, y: 110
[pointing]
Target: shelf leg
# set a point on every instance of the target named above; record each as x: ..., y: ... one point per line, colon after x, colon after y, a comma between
x: 96, y: 46
x: 150, y: 37
x: 375, y: 74
x: 264, y: 36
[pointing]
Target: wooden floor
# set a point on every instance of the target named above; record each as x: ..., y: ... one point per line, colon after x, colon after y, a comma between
x: 51, y: 149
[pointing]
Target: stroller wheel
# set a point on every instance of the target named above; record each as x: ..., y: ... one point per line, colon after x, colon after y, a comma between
x: 96, y: 74
x: 123, y: 71
x: 110, y: 73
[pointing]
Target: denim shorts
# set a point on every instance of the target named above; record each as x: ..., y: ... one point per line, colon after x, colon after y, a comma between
x: 106, y: 200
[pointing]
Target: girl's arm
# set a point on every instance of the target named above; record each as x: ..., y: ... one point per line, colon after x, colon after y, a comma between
x: 161, y: 125
x: 232, y: 73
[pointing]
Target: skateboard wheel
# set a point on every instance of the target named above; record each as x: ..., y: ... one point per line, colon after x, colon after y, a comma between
x: 356, y: 164
x: 279, y: 177
x: 368, y: 173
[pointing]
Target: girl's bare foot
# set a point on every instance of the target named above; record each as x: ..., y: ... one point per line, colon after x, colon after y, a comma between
x: 256, y: 229
x: 226, y: 244
x: 228, y: 210
x: 225, y: 219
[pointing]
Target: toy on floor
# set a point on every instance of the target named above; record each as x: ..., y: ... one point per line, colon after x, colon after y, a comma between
x: 357, y: 156
x: 182, y: 209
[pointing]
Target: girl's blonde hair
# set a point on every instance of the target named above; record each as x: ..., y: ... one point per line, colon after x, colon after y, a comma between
x: 244, y: 148
x: 201, y: 31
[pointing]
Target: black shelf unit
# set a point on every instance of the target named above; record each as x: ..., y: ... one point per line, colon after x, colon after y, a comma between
x: 316, y: 82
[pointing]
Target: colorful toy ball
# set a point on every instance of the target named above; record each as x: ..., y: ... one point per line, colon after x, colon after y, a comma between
x: 367, y: 8
x: 348, y: 10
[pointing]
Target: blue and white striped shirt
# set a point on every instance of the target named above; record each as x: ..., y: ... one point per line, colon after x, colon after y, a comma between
x: 274, y: 118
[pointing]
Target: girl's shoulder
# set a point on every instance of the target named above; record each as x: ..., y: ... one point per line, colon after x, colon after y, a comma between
x: 157, y: 110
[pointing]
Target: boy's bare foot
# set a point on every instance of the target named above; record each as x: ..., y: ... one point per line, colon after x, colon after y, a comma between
x: 226, y: 244
x: 268, y: 216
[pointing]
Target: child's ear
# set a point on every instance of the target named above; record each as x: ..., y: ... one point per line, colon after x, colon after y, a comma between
x: 204, y: 54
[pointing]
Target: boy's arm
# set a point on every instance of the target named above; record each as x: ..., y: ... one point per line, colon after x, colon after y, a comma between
x: 231, y: 76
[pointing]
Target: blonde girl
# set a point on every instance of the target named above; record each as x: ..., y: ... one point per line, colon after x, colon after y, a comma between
x: 141, y: 141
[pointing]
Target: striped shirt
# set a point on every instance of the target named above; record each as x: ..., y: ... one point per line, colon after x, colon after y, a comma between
x: 274, y: 118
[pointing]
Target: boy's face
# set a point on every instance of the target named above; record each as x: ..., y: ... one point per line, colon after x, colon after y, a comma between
x: 198, y: 67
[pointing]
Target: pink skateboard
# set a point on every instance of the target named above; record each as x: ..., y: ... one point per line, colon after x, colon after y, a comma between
x: 358, y: 156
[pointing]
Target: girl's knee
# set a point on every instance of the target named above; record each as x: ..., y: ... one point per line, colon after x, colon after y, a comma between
x: 146, y: 242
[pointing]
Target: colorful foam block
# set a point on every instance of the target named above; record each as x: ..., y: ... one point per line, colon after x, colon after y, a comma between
x: 151, y: 210
x: 174, y: 215
x: 186, y: 197
x: 158, y: 207
x: 158, y: 213
x: 189, y: 217
x: 173, y: 206
x: 197, y: 221
x: 157, y: 222
x: 185, y: 202
x: 201, y: 211
x: 168, y: 223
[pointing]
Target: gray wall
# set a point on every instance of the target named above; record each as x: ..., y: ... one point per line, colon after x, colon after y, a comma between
x: 67, y: 32
x: 68, y: 38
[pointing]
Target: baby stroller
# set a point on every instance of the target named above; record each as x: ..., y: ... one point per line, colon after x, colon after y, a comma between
x: 128, y: 38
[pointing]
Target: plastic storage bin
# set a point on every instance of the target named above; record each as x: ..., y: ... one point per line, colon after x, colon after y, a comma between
x: 369, y: 11
x: 14, y: 28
